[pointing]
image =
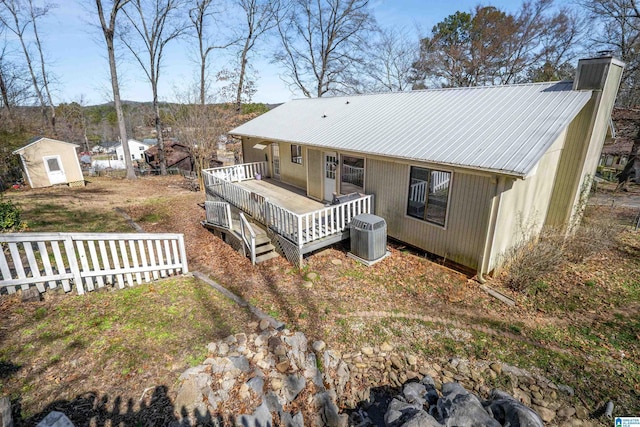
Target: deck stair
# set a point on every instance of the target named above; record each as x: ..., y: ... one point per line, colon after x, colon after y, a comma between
x: 264, y: 248
x: 222, y: 216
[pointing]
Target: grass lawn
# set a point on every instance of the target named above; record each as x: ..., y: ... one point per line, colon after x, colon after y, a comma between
x: 113, y: 343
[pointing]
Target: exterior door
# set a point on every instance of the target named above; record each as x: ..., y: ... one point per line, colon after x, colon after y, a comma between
x: 55, y: 172
x: 330, y: 166
x: 275, y: 160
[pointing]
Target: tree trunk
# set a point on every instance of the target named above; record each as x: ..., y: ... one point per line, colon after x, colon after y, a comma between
x: 4, y: 92
x: 34, y: 80
x: 156, y: 110
x: 45, y: 80
x: 243, y: 70
x: 203, y: 67
x: 118, y: 105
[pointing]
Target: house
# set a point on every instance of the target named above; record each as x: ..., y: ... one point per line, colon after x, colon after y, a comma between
x: 617, y: 149
x: 136, y: 148
x: 177, y: 156
x: 47, y: 162
x: 463, y: 173
x: 106, y: 147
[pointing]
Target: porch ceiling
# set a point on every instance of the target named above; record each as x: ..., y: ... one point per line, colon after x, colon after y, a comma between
x: 286, y: 196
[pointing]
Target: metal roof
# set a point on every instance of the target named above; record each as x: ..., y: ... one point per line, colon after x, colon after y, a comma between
x: 505, y: 129
x: 36, y: 140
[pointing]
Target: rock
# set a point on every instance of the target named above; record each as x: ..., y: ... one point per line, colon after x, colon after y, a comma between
x: 412, y: 360
x: 188, y: 396
x: 293, y: 385
x: 581, y: 412
x: 367, y: 351
x: 415, y: 393
x: 307, y: 285
x: 386, y: 347
x: 241, y: 363
x: 223, y: 349
x: 55, y: 419
x: 327, y: 410
x: 264, y: 324
x: 241, y: 338
x: 566, y: 389
x: 5, y: 412
x: 283, y: 366
x: 509, y: 412
x: 522, y: 397
x: 422, y: 419
x: 399, y: 412
x: 336, y: 261
x: 212, y: 347
x: 566, y: 412
x: 396, y: 362
x: 318, y: 346
x: 312, y: 276
x: 546, y: 414
x: 496, y: 367
x: 260, y: 418
x: 31, y: 295
x: 257, y: 385
x: 461, y: 408
x: 276, y: 383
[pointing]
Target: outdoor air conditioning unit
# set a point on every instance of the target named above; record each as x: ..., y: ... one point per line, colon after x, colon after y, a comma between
x: 368, y: 238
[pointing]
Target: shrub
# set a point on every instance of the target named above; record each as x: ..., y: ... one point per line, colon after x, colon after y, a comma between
x: 531, y: 260
x: 10, y: 217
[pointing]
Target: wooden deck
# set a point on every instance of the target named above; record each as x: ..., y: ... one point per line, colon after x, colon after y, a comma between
x: 295, y: 223
x: 284, y: 195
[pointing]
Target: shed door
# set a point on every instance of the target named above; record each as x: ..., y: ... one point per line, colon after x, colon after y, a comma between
x: 330, y: 166
x: 55, y: 172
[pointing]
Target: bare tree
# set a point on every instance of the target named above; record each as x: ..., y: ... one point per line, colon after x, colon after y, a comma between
x: 199, y: 126
x: 620, y: 34
x: 390, y: 62
x: 201, y: 16
x: 156, y: 23
x: 109, y: 31
x: 17, y: 20
x: 260, y: 16
x: 322, y: 44
x: 36, y: 12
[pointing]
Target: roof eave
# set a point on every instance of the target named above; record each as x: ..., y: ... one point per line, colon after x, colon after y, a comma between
x: 490, y: 171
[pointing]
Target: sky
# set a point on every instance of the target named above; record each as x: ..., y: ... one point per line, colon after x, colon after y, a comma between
x: 76, y: 56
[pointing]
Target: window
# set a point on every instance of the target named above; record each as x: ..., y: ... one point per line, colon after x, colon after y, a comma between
x: 53, y: 165
x: 296, y: 154
x: 428, y: 195
x: 141, y: 148
x: 351, y: 175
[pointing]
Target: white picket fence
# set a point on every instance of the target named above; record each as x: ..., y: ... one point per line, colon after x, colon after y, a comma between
x: 88, y: 260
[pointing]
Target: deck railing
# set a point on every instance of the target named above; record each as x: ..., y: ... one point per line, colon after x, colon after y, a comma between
x: 241, y: 172
x: 298, y: 228
x: 90, y: 260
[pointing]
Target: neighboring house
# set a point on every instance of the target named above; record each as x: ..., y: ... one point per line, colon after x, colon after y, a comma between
x: 47, y: 162
x: 177, y: 156
x: 462, y: 173
x: 136, y: 148
x: 617, y: 149
x: 106, y: 147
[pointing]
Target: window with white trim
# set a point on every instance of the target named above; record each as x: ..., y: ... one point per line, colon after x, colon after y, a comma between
x: 428, y: 194
x: 296, y: 154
